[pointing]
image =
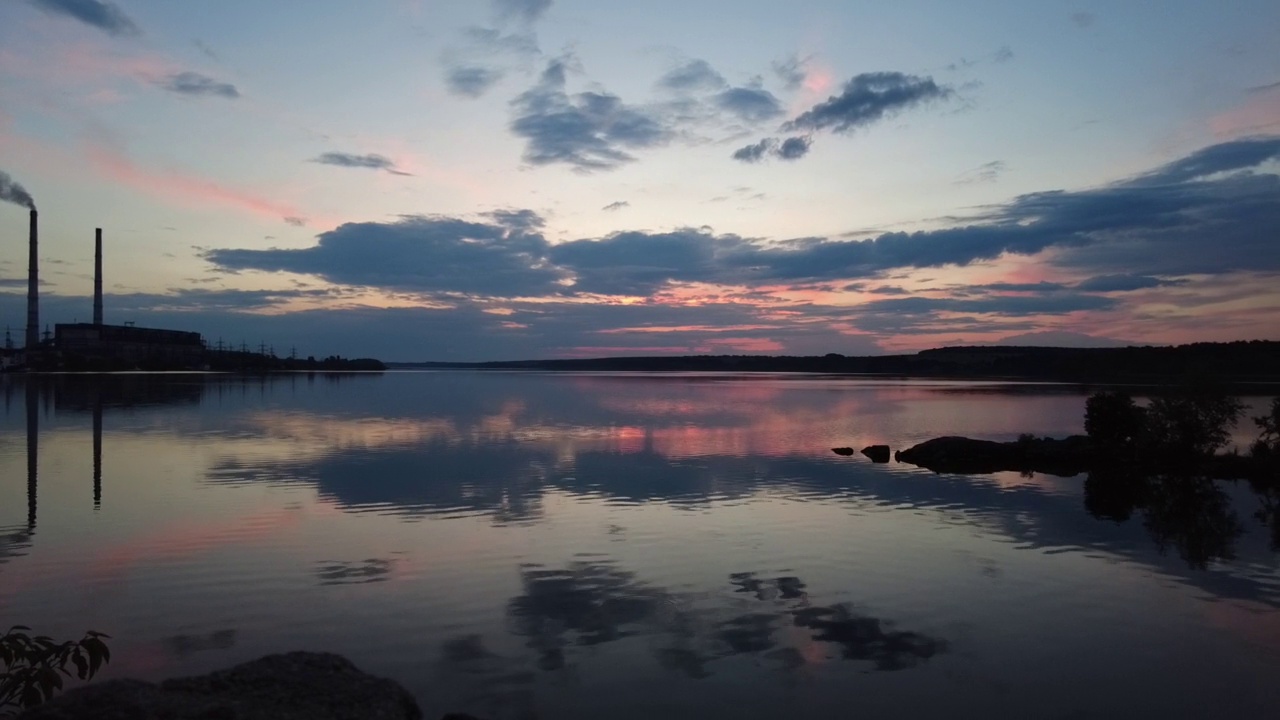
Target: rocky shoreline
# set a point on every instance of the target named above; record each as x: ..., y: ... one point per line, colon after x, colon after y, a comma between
x: 1064, y: 457
x: 291, y: 686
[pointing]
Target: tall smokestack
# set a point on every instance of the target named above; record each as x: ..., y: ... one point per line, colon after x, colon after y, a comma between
x: 33, y: 289
x: 97, y: 277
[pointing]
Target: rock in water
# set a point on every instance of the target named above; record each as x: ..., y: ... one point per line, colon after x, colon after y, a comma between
x: 877, y: 453
x: 842, y: 451
x: 293, y: 686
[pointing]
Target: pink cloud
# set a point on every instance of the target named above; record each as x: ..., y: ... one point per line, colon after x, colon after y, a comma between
x: 745, y: 345
x: 1259, y: 114
x: 194, y: 191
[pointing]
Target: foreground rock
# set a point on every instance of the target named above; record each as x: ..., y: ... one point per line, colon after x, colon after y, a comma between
x: 1066, y: 457
x: 297, y: 685
x: 877, y: 453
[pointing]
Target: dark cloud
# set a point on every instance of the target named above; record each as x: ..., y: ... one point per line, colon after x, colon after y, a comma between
x: 867, y: 98
x: 749, y: 104
x: 1018, y: 287
x: 1124, y: 283
x: 372, y: 161
x: 106, y: 16
x: 692, y: 76
x: 1128, y: 236
x: 638, y: 263
x: 794, y: 148
x: 755, y: 152
x: 588, y: 131
x: 503, y: 258
x: 471, y: 80
x: 527, y: 11
x: 193, y: 83
x: 616, y: 205
x: 295, y: 221
x: 1009, y: 305
x: 1221, y: 158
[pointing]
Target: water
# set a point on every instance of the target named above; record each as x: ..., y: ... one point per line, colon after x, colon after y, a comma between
x: 629, y: 546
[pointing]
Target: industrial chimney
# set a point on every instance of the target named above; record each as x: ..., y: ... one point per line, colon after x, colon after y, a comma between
x: 97, y: 277
x: 33, y: 289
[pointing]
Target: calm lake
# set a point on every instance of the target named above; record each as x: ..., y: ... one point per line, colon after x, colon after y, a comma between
x: 629, y: 546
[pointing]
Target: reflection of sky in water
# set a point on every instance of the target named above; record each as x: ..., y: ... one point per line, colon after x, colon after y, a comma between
x: 588, y: 544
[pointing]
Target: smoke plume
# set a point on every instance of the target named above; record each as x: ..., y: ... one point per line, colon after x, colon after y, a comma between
x: 14, y: 193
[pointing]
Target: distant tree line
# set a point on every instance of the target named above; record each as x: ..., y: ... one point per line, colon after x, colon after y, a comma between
x: 1245, y: 361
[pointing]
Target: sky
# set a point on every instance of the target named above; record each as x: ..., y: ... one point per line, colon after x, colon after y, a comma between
x: 508, y: 179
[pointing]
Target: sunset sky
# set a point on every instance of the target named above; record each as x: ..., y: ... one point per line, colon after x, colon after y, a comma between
x: 474, y: 180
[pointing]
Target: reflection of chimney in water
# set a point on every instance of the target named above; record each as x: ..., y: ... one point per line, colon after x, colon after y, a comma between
x: 97, y: 450
x: 33, y: 290
x: 97, y: 276
x: 33, y: 450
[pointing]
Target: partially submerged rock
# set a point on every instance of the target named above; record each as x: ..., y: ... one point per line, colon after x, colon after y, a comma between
x: 846, y: 451
x: 951, y: 454
x: 293, y: 686
x: 877, y: 453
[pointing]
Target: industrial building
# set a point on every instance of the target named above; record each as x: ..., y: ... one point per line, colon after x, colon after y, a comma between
x: 129, y: 344
x: 96, y: 343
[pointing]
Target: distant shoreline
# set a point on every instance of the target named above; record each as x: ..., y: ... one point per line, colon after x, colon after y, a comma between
x: 1247, y: 362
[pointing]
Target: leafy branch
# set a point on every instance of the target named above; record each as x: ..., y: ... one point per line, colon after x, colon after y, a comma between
x: 34, y: 665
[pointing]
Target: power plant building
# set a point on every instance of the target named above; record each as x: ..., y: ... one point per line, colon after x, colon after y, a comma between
x: 126, y: 343
x: 97, y: 341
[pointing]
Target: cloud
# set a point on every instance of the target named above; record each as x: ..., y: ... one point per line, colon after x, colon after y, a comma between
x: 791, y: 71
x: 501, y: 258
x: 193, y: 83
x: 1124, y: 283
x: 867, y: 98
x: 1010, y: 305
x: 756, y: 152
x: 295, y: 221
x: 1126, y: 236
x: 984, y: 173
x: 471, y: 80
x: 372, y: 161
x: 589, y: 131
x: 792, y: 148
x: 197, y: 191
x: 749, y: 104
x: 106, y: 16
x: 1221, y: 158
x: 486, y: 56
x: 616, y: 205
x: 639, y: 263
x: 693, y: 75
x: 527, y: 11
x: 1002, y: 55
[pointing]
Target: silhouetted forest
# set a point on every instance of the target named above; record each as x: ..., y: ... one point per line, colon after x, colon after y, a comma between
x: 1243, y: 361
